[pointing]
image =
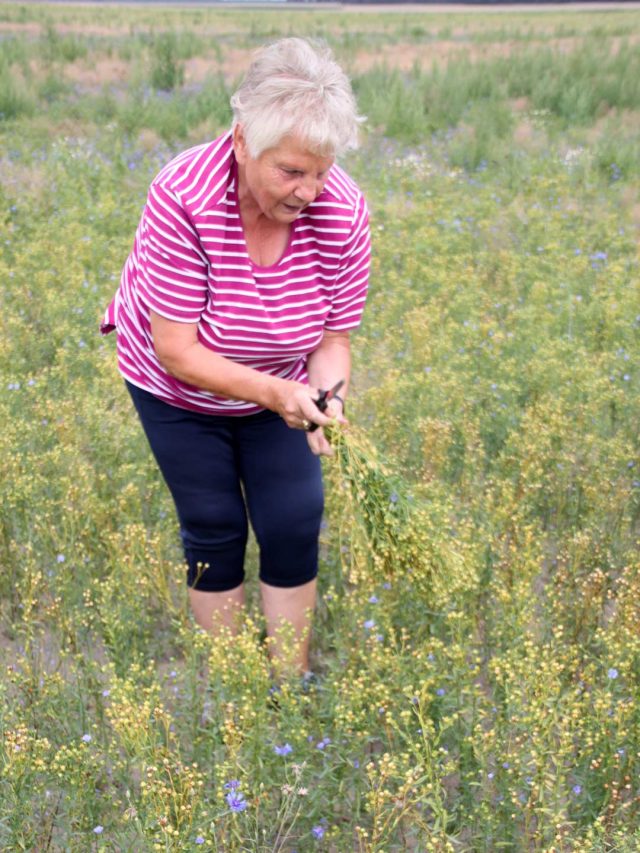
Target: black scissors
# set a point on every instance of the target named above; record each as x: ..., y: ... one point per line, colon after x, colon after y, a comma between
x: 323, y: 400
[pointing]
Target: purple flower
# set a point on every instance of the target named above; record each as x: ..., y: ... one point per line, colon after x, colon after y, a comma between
x: 232, y: 785
x: 285, y: 749
x: 612, y: 673
x: 86, y: 738
x: 369, y: 624
x: 199, y: 840
x: 98, y: 829
x: 440, y: 691
x: 317, y: 831
x: 577, y: 789
x: 373, y: 599
x: 236, y: 801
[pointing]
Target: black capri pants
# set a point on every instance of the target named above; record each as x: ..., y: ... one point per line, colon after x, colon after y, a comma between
x: 226, y: 471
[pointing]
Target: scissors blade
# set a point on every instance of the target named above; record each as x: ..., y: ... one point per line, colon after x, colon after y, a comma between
x: 333, y: 391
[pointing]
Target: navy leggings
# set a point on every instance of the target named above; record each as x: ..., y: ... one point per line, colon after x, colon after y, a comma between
x: 223, y: 471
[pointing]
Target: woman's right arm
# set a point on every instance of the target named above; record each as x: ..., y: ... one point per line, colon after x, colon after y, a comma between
x: 184, y: 357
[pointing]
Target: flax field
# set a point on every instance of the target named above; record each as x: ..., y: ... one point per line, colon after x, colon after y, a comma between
x: 477, y: 636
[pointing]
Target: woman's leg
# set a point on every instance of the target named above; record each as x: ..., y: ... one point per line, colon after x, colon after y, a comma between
x: 293, y: 606
x: 197, y: 458
x: 216, y: 610
x: 283, y: 488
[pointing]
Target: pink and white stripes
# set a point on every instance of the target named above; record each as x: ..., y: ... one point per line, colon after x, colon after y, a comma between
x: 190, y: 264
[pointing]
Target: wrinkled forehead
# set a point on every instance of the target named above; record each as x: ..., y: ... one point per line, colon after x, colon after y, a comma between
x: 294, y: 148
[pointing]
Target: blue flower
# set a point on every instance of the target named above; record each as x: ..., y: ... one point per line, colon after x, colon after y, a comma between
x: 373, y: 599
x: 232, y: 785
x: 236, y: 801
x: 285, y: 749
x: 317, y: 831
x: 98, y: 829
x: 369, y: 624
x: 199, y: 840
x: 440, y: 691
x: 577, y: 789
x: 612, y: 673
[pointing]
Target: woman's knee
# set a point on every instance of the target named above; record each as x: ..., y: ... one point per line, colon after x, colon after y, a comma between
x: 288, y: 540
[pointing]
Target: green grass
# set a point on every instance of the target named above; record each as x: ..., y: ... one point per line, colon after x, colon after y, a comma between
x: 477, y: 627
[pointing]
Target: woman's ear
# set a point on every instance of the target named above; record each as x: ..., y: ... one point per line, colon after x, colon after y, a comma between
x: 239, y: 144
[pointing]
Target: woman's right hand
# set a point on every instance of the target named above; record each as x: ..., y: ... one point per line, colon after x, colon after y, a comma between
x: 295, y: 404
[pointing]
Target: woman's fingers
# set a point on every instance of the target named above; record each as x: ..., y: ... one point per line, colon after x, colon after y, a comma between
x: 298, y: 408
x: 318, y: 443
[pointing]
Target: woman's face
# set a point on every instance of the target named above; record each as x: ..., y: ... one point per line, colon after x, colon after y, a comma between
x: 283, y: 180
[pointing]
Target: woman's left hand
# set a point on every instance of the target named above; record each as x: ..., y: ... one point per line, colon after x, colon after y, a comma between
x: 318, y: 441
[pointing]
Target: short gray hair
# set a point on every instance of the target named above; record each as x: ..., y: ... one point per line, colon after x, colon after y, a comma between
x: 296, y: 86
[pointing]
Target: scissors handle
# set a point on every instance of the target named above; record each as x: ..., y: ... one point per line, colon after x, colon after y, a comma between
x: 323, y: 400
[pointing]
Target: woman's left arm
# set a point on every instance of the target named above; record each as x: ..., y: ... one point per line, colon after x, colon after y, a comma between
x: 326, y: 365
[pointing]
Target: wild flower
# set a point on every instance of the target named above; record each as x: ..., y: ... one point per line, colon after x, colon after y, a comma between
x: 236, y: 801
x: 318, y: 831
x: 285, y: 749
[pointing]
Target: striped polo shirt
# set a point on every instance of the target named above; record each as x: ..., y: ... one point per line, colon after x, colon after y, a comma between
x: 190, y: 264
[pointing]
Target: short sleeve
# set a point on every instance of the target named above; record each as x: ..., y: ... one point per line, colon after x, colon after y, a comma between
x: 353, y: 276
x: 172, y: 267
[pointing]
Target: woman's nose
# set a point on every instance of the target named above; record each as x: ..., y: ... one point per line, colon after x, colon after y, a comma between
x: 307, y: 190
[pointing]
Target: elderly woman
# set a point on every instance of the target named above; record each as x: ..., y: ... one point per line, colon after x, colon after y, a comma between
x: 248, y: 271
